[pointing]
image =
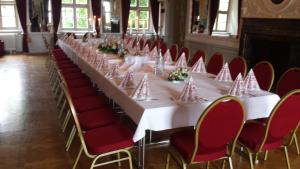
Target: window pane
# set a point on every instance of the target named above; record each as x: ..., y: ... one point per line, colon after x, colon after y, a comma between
x: 81, y: 13
x: 67, y: 12
x: 67, y: 1
x: 144, y: 3
x: 81, y: 1
x: 143, y: 24
x: 222, y: 21
x: 82, y: 23
x: 133, y: 2
x: 9, y: 22
x: 67, y: 17
x: 68, y: 23
x: 49, y: 17
x: 106, y: 5
x: 224, y: 5
x: 144, y: 15
x: 7, y: 10
x: 132, y: 19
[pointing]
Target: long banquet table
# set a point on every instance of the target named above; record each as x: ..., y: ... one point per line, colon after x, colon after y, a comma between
x: 163, y: 112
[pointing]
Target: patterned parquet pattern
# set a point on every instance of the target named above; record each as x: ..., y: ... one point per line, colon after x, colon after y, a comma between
x: 30, y: 134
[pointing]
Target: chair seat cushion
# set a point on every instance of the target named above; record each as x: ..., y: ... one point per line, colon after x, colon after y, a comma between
x: 88, y: 103
x: 184, y: 143
x: 108, y: 138
x: 80, y: 92
x: 70, y: 70
x: 69, y: 76
x: 252, y: 136
x: 78, y: 82
x: 66, y: 65
x: 96, y: 118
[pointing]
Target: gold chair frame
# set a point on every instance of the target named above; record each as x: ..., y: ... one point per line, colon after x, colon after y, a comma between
x: 181, y: 161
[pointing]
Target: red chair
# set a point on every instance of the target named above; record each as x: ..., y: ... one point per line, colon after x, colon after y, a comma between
x: 258, y: 137
x: 215, y: 63
x: 141, y: 43
x: 148, y: 42
x: 237, y: 65
x: 264, y: 73
x: 174, y: 51
x: 200, y: 53
x: 215, y: 135
x: 186, y: 51
x: 163, y: 47
x: 290, y: 80
x: 108, y: 140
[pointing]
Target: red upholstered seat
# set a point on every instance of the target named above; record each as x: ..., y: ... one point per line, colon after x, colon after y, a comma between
x: 264, y: 73
x: 68, y: 65
x: 174, y: 52
x: 80, y: 92
x: 108, y: 138
x: 216, y: 129
x: 215, y: 63
x: 186, y: 51
x: 163, y: 47
x: 70, y: 70
x: 141, y: 43
x: 289, y: 81
x: 200, y: 53
x: 88, y: 103
x: 75, y: 75
x: 96, y: 118
x: 72, y: 83
x: 237, y: 65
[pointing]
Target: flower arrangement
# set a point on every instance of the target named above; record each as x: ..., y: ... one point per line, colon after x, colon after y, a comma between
x: 108, y: 47
x: 178, y: 75
x: 122, y: 51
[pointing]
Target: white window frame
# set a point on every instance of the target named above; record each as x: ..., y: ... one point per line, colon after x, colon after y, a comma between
x: 3, y: 2
x: 215, y: 30
x: 74, y: 6
x: 137, y: 8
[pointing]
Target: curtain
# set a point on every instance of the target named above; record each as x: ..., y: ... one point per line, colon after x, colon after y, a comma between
x: 239, y: 18
x: 213, y: 11
x: 56, y: 10
x: 21, y: 7
x: 125, y: 15
x: 154, y: 4
x: 96, y: 7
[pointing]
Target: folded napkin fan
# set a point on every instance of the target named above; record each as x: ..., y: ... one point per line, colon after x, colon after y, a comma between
x: 189, y: 93
x: 168, y: 58
x: 224, y: 74
x: 237, y: 88
x: 114, y: 72
x: 181, y: 62
x: 141, y: 92
x: 199, y: 67
x: 127, y: 81
x: 250, y: 82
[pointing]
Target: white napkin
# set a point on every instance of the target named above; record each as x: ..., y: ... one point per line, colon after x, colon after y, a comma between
x: 146, y: 49
x: 250, y: 82
x: 181, y: 62
x: 199, y: 67
x: 189, y: 93
x: 141, y: 92
x: 154, y: 53
x: 237, y: 88
x: 224, y: 74
x: 103, y: 64
x: 168, y: 58
x: 128, y: 80
x: 114, y: 72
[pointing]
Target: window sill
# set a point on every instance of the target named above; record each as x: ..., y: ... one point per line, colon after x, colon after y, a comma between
x: 10, y: 31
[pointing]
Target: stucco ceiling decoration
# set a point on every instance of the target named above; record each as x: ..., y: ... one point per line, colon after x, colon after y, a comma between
x: 267, y: 9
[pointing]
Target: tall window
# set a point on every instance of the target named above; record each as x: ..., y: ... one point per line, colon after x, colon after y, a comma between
x: 74, y: 14
x: 139, y: 15
x: 49, y: 11
x: 8, y: 14
x: 222, y: 16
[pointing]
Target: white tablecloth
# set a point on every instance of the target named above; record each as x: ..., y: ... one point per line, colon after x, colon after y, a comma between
x: 165, y: 113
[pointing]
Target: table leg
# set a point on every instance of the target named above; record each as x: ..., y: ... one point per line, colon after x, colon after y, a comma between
x: 141, y: 154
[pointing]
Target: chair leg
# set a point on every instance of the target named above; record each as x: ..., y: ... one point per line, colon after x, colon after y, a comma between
x: 71, y: 138
x: 287, y: 157
x: 230, y: 163
x: 266, y: 155
x: 62, y: 109
x: 183, y: 166
x: 78, y: 157
x: 119, y: 162
x: 296, y: 143
x: 256, y: 158
x: 168, y: 161
x: 250, y: 160
x: 207, y: 165
x: 66, y: 121
x: 223, y: 164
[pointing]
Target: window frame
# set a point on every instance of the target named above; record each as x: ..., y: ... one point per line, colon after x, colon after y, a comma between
x: 74, y: 6
x: 13, y: 3
x: 215, y: 30
x: 137, y: 8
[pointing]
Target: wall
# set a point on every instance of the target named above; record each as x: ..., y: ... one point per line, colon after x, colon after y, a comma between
x: 266, y: 9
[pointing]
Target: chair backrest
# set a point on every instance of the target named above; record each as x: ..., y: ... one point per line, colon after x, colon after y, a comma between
x: 186, y: 51
x: 141, y: 43
x: 134, y: 43
x: 200, y: 53
x: 264, y: 73
x: 219, y: 125
x: 163, y: 47
x: 174, y: 51
x: 289, y: 80
x: 148, y: 42
x: 215, y: 63
x: 237, y: 65
x: 284, y: 118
